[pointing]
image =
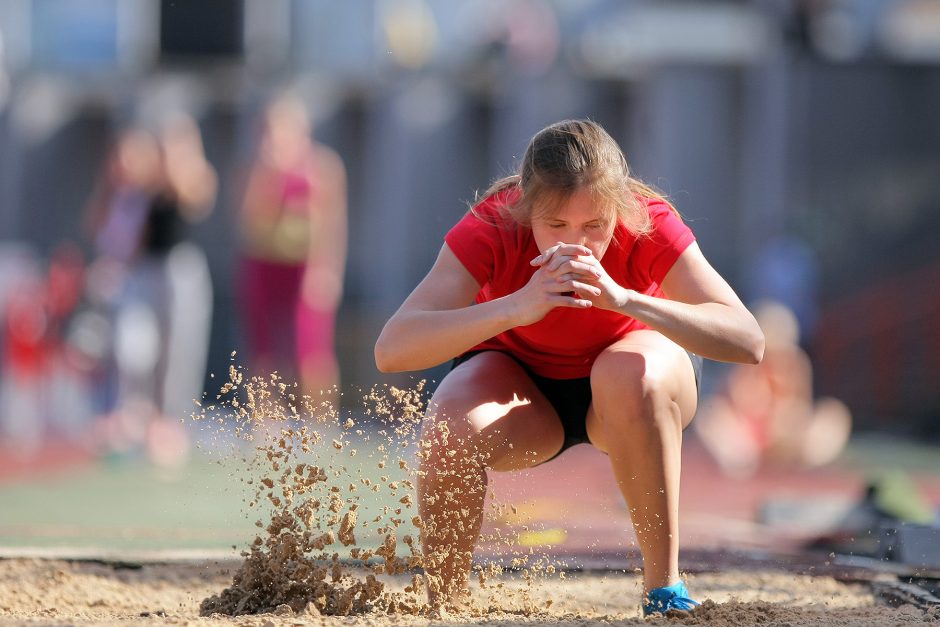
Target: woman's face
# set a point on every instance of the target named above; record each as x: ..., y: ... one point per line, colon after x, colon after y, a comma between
x: 577, y: 221
x: 138, y: 159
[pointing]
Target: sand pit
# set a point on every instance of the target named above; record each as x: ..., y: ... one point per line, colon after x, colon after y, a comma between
x: 333, y: 495
x: 58, y: 592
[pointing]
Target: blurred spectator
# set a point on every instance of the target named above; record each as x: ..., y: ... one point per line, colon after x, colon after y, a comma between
x: 45, y: 392
x: 69, y: 367
x: 293, y: 225
x: 153, y: 186
x: 25, y: 324
x: 766, y: 414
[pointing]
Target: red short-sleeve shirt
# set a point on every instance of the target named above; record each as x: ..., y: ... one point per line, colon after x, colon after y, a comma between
x: 565, y: 343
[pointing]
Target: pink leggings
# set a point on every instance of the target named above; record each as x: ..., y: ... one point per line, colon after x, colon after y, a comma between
x: 282, y: 330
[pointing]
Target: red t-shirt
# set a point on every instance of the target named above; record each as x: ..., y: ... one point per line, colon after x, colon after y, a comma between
x: 565, y: 343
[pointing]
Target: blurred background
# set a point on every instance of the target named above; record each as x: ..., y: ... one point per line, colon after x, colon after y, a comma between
x: 159, y: 158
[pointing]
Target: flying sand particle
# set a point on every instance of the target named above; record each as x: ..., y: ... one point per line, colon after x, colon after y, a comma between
x: 287, y: 569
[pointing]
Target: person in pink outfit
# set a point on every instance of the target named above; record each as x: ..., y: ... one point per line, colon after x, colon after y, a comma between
x: 293, y: 226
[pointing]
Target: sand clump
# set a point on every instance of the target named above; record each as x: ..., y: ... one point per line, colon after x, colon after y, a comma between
x: 298, y: 564
x: 336, y: 524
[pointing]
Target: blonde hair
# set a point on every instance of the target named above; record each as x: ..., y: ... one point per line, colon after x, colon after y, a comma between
x: 568, y: 156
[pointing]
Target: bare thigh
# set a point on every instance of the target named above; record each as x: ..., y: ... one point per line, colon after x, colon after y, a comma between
x: 640, y: 359
x: 491, y: 401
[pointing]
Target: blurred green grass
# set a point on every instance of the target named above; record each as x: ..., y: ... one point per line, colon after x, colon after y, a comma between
x: 129, y: 505
x: 876, y: 453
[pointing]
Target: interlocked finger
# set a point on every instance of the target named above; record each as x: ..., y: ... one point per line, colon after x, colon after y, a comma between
x: 573, y: 264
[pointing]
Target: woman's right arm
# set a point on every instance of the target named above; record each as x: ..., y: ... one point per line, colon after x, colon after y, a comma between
x: 436, y: 322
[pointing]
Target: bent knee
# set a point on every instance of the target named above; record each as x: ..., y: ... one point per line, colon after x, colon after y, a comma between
x: 631, y: 377
x: 629, y: 389
x: 613, y: 369
x: 450, y: 420
x: 456, y: 429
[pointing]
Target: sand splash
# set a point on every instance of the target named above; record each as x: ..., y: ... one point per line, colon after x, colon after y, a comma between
x: 335, y: 495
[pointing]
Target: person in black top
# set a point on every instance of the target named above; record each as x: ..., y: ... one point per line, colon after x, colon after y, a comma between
x: 154, y: 185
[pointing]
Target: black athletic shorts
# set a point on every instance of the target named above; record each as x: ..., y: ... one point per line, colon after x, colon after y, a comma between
x: 571, y: 398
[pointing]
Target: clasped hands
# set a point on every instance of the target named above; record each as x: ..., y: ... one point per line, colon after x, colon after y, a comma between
x: 568, y: 275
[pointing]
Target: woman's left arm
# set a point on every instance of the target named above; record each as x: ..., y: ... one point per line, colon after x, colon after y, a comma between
x: 701, y: 312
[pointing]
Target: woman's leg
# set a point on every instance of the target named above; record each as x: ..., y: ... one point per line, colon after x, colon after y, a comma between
x: 644, y: 395
x: 486, y: 413
x: 268, y: 294
x: 316, y: 354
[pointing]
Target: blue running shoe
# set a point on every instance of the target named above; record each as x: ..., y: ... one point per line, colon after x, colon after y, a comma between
x: 662, y: 600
